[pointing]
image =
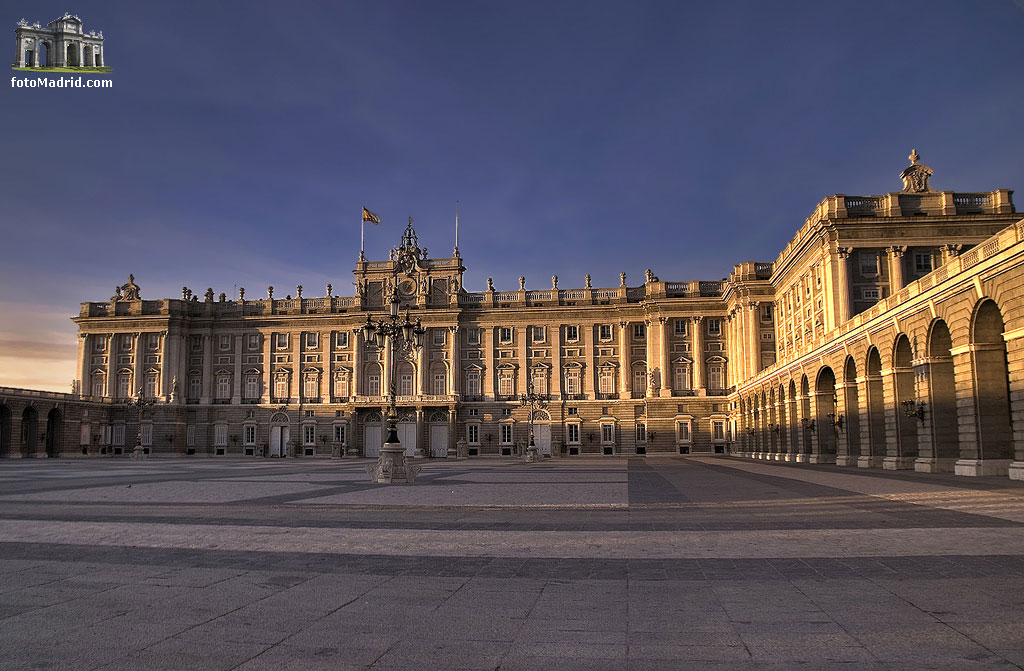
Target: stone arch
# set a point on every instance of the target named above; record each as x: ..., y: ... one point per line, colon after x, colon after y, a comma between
x: 29, y: 431
x: 54, y: 432
x: 851, y: 411
x: 873, y: 426
x: 762, y: 423
x: 72, y: 55
x: 906, y: 424
x: 373, y: 377
x: 994, y: 433
x: 541, y: 416
x: 438, y: 416
x: 942, y: 415
x: 279, y: 418
x: 373, y: 418
x: 783, y: 421
x: 5, y: 430
x: 405, y: 379
x: 825, y: 406
x: 437, y: 369
x: 794, y: 425
x: 805, y: 416
x: 773, y: 423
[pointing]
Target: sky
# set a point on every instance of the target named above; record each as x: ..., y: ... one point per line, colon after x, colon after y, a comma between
x: 240, y: 140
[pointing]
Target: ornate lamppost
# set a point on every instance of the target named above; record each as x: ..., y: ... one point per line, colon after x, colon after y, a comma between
x: 388, y: 332
x: 535, y: 401
x: 140, y: 404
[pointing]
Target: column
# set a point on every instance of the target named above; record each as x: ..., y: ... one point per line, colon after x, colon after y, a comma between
x: 753, y: 356
x: 423, y: 366
x: 895, y: 268
x: 207, y: 368
x: 666, y: 374
x: 111, y: 365
x: 182, y: 363
x: 649, y: 357
x: 236, y: 391
x: 327, y: 380
x: 451, y: 432
x: 844, y: 451
x: 19, y: 53
x: 842, y: 293
x: 698, y: 356
x: 357, y: 366
x: 624, y: 368
x: 167, y: 366
x: 420, y: 438
x: 140, y: 360
x: 489, y: 379
x: 555, y: 383
x: 268, y: 341
x: 83, y: 364
x: 893, y: 460
x: 454, y: 360
x: 590, y: 373
x: 385, y: 361
x: 524, y: 365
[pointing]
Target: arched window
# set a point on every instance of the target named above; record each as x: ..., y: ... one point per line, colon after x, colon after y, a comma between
x: 341, y: 383
x: 540, y: 380
x: 440, y: 383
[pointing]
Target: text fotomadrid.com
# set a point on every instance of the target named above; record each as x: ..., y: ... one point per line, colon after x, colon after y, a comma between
x: 61, y: 83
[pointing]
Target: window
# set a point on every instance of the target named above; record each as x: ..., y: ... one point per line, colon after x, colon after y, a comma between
x: 152, y: 341
x: 224, y: 343
x: 639, y: 380
x: 572, y: 433
x: 195, y: 387
x: 716, y: 376
x: 506, y: 434
x: 438, y: 336
x: 473, y: 382
x: 540, y: 381
x: 252, y: 386
x: 539, y: 333
x: 124, y: 385
x: 405, y: 384
x: 312, y: 340
x: 923, y: 263
x: 605, y: 332
x: 767, y: 335
x: 339, y: 433
x: 151, y: 385
x: 714, y: 326
x: 766, y: 310
x: 572, y: 333
x: 607, y: 433
x: 254, y: 341
x: 473, y: 337
x: 281, y: 387
x: 440, y: 384
x: 680, y: 327
x: 606, y: 380
x: 868, y: 263
x: 118, y: 437
x: 97, y: 385
x: 312, y: 387
x: 639, y: 331
x: 641, y: 432
x: 683, y: 431
x: 341, y: 384
x: 507, y: 412
x: 572, y: 411
x: 196, y: 343
x: 473, y: 434
x: 373, y: 384
x: 474, y: 412
x: 190, y: 435
x: 871, y: 294
x: 718, y: 429
x: 126, y: 343
x: 572, y: 382
x: 223, y: 386
x: 309, y: 434
x: 249, y: 434
x: 681, y: 377
x: 100, y: 343
x: 505, y: 334
x: 146, y: 434
x: 220, y: 435
x: 506, y: 386
x: 341, y: 339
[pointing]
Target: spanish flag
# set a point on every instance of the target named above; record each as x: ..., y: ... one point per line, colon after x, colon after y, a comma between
x: 370, y: 217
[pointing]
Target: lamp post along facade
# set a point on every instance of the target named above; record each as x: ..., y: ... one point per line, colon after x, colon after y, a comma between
x: 140, y: 404
x: 534, y: 401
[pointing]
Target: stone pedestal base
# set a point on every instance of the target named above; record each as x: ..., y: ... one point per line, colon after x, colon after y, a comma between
x: 926, y: 465
x: 789, y: 457
x: 976, y: 467
x: 777, y: 456
x: 821, y: 458
x: 532, y: 455
x: 1017, y: 470
x: 845, y: 460
x: 801, y: 458
x: 869, y: 462
x: 391, y: 467
x: 139, y: 453
x: 898, y: 463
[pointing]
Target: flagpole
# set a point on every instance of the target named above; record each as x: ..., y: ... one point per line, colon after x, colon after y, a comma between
x: 456, y: 228
x: 362, y: 235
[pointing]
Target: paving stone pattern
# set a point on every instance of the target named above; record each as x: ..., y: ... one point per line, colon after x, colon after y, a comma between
x: 696, y: 563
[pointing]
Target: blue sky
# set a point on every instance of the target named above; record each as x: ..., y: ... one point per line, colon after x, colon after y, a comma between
x: 240, y: 140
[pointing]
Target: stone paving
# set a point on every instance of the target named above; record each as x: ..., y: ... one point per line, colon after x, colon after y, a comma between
x: 696, y: 563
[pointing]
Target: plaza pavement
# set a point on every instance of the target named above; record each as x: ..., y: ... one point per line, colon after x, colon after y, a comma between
x: 658, y: 563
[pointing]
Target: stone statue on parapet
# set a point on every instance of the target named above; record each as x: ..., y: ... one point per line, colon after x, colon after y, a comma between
x: 915, y: 176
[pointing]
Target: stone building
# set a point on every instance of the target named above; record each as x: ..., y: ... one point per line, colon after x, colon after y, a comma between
x: 62, y: 43
x: 883, y: 335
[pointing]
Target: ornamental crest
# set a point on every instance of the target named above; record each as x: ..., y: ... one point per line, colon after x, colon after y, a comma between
x: 915, y: 176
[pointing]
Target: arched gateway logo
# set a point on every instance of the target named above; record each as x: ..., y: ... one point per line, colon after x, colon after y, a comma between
x: 60, y: 46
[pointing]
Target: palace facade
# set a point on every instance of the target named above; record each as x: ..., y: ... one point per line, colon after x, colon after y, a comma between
x: 885, y: 334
